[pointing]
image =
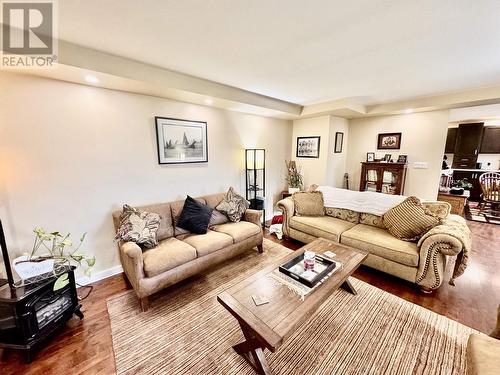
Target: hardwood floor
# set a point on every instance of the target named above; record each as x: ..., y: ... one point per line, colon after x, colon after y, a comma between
x: 84, y: 347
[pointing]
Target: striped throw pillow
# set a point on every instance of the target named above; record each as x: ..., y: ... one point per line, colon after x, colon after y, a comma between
x: 409, y: 220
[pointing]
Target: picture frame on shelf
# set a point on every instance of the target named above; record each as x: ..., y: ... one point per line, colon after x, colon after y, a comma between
x: 389, y: 141
x: 370, y: 157
x: 181, y: 141
x: 339, y: 140
x: 403, y: 159
x: 387, y: 158
x: 308, y: 147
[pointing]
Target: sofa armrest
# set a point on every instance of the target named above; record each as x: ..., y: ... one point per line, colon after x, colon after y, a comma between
x: 132, y: 263
x: 452, y: 238
x: 287, y: 207
x: 253, y: 216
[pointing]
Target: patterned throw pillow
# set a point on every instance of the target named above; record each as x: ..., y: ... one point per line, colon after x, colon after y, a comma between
x: 343, y: 214
x: 309, y: 203
x: 409, y: 220
x: 233, y: 205
x: 139, y: 227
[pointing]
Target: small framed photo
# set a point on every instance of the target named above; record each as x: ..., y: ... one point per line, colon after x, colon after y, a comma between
x: 181, y: 141
x: 387, y: 158
x: 403, y: 159
x: 389, y: 141
x: 370, y: 157
x: 339, y: 140
x: 308, y: 147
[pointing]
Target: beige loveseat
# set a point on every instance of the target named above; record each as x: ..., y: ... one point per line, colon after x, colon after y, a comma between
x: 181, y: 254
x: 421, y: 263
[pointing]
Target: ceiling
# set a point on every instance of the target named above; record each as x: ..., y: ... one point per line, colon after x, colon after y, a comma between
x: 373, y: 51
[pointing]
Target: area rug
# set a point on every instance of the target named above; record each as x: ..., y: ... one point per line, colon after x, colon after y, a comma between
x: 487, y: 216
x: 186, y: 331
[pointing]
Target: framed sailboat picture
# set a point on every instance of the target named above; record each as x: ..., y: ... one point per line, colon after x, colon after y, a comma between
x: 181, y: 141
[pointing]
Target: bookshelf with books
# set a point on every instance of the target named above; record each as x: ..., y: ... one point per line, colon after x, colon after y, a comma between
x: 387, y: 178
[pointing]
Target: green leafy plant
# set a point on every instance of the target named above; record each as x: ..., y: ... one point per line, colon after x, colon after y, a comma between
x: 463, y: 183
x: 294, y: 177
x: 60, y: 247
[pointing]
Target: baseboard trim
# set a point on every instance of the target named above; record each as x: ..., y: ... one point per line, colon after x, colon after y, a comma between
x: 101, y: 275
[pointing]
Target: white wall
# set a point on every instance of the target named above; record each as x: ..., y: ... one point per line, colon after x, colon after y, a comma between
x: 423, y: 140
x: 313, y: 169
x: 71, y: 154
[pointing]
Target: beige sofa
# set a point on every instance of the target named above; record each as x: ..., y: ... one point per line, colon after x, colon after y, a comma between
x: 423, y: 265
x: 181, y: 254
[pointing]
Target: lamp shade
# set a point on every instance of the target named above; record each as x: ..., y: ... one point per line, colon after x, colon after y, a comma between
x: 255, y: 158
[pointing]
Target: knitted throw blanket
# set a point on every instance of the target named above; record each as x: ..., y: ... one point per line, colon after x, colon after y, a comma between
x: 459, y: 230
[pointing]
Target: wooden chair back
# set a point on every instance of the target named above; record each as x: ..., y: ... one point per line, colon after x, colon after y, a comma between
x: 490, y: 185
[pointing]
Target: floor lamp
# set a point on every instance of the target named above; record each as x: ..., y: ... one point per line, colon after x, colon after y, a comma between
x: 6, y: 260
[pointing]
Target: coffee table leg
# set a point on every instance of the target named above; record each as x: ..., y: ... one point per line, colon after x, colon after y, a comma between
x: 346, y: 285
x: 253, y: 352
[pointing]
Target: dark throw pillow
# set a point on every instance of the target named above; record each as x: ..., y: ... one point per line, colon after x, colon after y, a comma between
x: 139, y: 227
x: 195, y: 216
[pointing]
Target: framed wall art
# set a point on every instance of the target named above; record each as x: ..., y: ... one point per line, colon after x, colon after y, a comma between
x: 339, y: 140
x: 389, y: 141
x: 308, y: 147
x: 181, y: 141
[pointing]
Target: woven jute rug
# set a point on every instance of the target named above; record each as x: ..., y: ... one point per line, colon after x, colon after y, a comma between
x: 186, y: 331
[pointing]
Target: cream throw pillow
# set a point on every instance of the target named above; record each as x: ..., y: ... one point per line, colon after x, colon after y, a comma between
x: 409, y: 220
x: 309, y: 203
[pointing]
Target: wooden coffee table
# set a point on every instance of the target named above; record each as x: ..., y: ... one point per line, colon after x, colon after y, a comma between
x: 267, y: 326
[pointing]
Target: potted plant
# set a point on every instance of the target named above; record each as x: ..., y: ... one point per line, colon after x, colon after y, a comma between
x: 294, y: 177
x: 459, y: 186
x: 58, y: 251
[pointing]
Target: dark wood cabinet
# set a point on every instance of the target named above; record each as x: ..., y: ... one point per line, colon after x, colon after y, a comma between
x: 387, y: 178
x: 491, y: 140
x: 467, y: 145
x: 451, y: 139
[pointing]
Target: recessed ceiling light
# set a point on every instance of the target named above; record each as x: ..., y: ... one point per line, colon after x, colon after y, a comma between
x: 209, y: 101
x: 91, y: 79
x: 409, y: 110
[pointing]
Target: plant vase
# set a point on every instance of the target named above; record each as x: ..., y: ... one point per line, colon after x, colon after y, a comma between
x: 27, y: 269
x: 292, y: 190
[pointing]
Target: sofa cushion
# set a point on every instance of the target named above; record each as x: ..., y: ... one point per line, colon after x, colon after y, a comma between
x: 213, y: 200
x: 409, y: 220
x: 370, y: 219
x: 209, y: 242
x: 169, y: 254
x: 483, y: 355
x: 238, y: 231
x: 309, y: 203
x: 343, y: 214
x: 139, y: 227
x: 439, y: 209
x: 176, y: 209
x: 380, y: 242
x: 195, y: 216
x: 321, y: 226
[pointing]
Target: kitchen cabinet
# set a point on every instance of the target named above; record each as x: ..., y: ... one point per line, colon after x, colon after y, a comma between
x: 451, y: 139
x: 491, y: 140
x: 467, y: 145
